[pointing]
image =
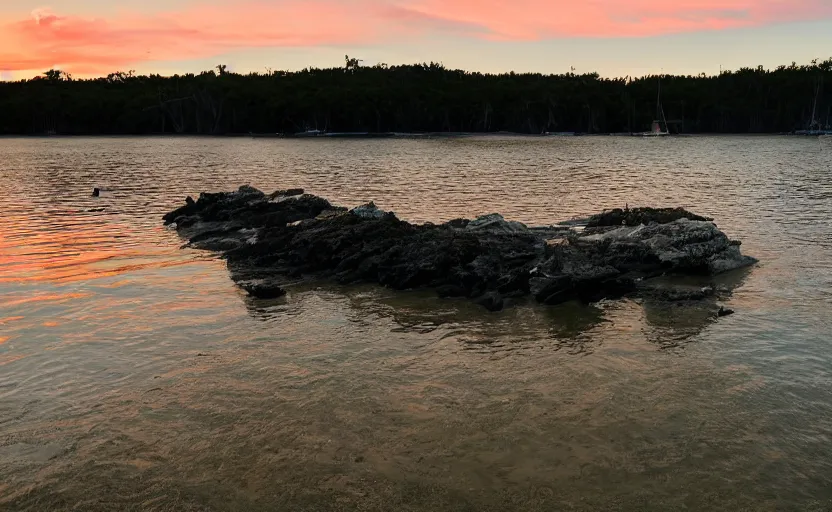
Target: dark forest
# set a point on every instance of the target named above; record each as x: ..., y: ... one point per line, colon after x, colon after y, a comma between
x: 416, y: 98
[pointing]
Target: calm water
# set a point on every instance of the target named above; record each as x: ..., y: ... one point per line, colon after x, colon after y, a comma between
x: 135, y: 376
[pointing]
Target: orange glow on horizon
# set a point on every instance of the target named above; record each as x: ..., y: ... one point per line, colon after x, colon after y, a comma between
x: 42, y: 39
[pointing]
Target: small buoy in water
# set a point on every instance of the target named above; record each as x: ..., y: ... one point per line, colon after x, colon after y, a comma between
x: 724, y: 312
x: 96, y: 192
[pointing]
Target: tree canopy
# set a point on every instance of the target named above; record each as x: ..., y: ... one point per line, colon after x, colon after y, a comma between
x: 416, y: 98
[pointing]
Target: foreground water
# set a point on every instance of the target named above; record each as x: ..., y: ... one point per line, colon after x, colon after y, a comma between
x: 135, y: 376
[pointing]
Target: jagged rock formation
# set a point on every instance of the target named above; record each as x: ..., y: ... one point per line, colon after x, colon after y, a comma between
x: 270, y: 240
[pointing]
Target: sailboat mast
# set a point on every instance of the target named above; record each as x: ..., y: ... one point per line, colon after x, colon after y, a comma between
x: 814, y: 121
x: 659, y: 108
x: 659, y: 98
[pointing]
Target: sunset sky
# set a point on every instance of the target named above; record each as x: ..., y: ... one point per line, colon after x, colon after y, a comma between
x: 613, y: 37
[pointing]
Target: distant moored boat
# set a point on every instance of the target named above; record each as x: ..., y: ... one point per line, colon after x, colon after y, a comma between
x: 815, y: 128
x: 310, y: 133
x: 656, y: 130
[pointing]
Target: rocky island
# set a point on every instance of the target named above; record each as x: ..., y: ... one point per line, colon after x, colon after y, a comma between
x: 272, y: 240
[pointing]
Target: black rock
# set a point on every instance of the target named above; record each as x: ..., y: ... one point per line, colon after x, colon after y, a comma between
x: 492, y: 301
x: 724, y: 312
x: 636, y: 216
x: 287, y: 193
x: 267, y: 238
x: 450, y: 290
x: 678, y: 293
x: 96, y: 192
x: 262, y: 289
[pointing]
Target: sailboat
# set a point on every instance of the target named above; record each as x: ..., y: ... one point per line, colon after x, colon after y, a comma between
x: 656, y: 129
x: 815, y: 128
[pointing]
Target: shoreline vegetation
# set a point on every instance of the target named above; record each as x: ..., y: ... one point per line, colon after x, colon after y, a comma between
x: 418, y: 100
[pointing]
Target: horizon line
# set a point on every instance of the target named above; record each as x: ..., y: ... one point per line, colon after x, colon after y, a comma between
x: 131, y: 73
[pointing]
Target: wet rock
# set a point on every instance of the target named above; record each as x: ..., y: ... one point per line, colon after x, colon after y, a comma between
x: 552, y: 290
x: 458, y: 223
x: 248, y: 207
x: 328, y: 214
x: 450, y: 291
x: 578, y: 221
x: 492, y: 301
x: 369, y: 211
x: 286, y: 193
x: 729, y: 259
x: 262, y: 289
x: 684, y: 245
x: 678, y: 293
x: 637, y: 216
x: 486, y: 259
x: 723, y: 311
x: 496, y: 224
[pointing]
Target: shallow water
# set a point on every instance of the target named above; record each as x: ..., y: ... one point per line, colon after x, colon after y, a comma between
x: 135, y: 376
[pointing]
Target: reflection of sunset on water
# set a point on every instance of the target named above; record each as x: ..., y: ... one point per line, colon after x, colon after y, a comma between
x: 134, y: 371
x: 57, y: 297
x: 81, y: 251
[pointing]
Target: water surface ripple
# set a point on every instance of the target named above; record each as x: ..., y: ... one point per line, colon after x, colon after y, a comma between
x: 135, y: 376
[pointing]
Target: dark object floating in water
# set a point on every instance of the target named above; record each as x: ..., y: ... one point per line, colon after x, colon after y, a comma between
x: 263, y: 289
x: 270, y: 239
x: 723, y: 311
x: 96, y: 192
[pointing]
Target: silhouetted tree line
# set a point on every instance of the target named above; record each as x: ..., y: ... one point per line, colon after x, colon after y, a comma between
x: 415, y: 98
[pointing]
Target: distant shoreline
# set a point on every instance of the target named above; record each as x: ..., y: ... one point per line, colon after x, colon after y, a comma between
x: 421, y: 98
x: 432, y: 135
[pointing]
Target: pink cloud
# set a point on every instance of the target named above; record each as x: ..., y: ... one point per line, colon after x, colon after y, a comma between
x: 541, y: 19
x: 44, y: 39
x: 86, y: 45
